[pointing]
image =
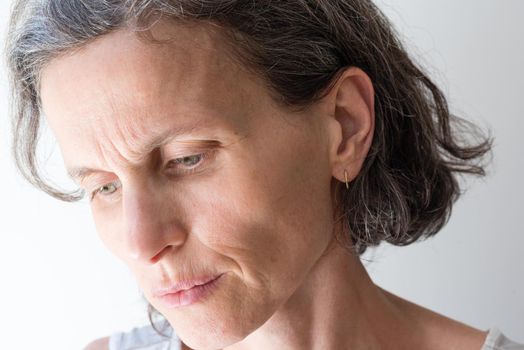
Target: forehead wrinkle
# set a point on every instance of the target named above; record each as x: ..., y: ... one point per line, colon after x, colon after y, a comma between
x: 133, y: 143
x: 109, y: 146
x: 131, y: 131
x: 130, y: 115
x: 127, y: 131
x: 110, y: 152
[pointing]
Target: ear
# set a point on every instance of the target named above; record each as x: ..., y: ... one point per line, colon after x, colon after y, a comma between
x: 351, y: 108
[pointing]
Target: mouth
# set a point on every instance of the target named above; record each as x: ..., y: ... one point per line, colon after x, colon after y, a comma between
x: 188, y: 292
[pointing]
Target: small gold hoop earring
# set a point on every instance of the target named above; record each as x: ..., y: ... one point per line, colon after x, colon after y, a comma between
x: 346, y: 178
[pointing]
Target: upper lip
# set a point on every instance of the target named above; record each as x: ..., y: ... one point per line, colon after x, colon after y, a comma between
x: 176, y: 287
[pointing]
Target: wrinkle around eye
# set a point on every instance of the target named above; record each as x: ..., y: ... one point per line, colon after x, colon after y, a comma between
x: 97, y: 191
x: 94, y: 182
x: 90, y: 179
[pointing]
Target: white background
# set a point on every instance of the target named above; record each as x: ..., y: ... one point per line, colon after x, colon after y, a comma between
x: 60, y: 288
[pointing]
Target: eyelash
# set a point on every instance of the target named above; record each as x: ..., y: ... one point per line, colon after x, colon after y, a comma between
x: 202, y: 157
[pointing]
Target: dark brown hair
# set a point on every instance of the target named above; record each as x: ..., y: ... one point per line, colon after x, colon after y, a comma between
x: 408, y: 183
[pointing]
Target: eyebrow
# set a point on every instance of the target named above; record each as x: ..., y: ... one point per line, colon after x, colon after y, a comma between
x: 78, y: 174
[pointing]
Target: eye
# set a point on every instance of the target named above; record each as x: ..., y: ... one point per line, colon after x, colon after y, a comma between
x: 182, y: 165
x: 188, y: 164
x: 189, y: 160
x: 106, y: 190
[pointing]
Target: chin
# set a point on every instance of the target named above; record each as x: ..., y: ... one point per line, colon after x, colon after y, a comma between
x: 224, y: 318
x: 216, y: 329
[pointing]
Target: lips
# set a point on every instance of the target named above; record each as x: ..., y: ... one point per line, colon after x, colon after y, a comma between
x: 184, y: 285
x: 187, y: 292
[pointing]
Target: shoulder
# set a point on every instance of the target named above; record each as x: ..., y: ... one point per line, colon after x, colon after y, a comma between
x: 439, y: 331
x: 496, y: 340
x: 98, y: 344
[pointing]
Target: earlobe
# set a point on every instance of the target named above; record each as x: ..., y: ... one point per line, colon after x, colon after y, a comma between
x: 353, y: 104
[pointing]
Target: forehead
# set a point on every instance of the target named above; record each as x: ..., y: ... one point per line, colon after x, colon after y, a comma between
x: 121, y: 65
x: 121, y: 83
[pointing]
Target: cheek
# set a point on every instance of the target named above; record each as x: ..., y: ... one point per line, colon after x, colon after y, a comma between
x: 107, y: 227
x: 268, y: 230
x: 271, y: 224
x: 102, y: 230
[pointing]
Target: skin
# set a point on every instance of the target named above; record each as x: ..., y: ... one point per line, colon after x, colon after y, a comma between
x: 258, y: 207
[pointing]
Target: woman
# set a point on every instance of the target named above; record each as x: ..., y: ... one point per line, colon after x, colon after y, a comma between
x: 240, y: 156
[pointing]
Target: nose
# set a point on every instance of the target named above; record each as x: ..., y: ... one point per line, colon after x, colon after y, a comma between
x: 150, y: 224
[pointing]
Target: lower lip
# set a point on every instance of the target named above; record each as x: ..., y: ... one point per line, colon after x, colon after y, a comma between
x: 189, y: 296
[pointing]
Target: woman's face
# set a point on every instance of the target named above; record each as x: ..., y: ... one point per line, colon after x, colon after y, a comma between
x: 195, y: 172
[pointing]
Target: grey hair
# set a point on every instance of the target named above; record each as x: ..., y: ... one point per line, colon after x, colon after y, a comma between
x: 40, y: 31
x: 408, y: 183
x: 407, y: 186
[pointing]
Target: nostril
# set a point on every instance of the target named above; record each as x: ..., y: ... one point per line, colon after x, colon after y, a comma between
x: 158, y: 256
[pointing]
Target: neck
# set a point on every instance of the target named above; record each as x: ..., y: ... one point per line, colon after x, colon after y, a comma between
x: 337, y: 307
